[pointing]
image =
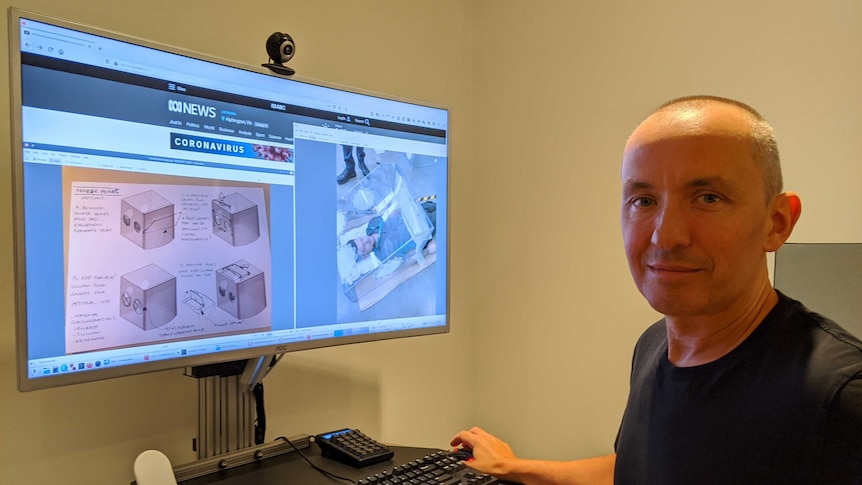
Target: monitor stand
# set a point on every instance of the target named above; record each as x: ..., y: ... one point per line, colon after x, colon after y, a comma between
x: 226, y: 418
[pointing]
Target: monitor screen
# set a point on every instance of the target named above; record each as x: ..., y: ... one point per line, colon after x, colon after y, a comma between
x: 172, y: 209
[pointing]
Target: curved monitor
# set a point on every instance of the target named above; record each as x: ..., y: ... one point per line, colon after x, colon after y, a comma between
x: 173, y: 210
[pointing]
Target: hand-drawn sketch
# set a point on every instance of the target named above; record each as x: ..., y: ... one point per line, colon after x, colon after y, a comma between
x: 148, y: 297
x: 147, y: 219
x: 166, y: 285
x: 235, y: 219
x: 198, y: 301
x: 241, y: 289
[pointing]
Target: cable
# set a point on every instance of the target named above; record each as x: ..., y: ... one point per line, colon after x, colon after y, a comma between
x: 275, y: 360
x: 260, y: 410
x: 321, y: 470
x: 260, y: 407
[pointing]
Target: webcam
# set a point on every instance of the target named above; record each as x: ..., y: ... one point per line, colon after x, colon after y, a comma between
x: 280, y: 48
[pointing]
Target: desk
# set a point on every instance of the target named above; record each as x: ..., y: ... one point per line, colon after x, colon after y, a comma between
x: 291, y: 469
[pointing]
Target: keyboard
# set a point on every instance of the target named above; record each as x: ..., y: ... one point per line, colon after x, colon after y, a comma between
x: 440, y: 468
x: 352, y: 447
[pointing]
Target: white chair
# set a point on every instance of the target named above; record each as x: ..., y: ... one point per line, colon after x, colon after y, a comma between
x: 152, y: 467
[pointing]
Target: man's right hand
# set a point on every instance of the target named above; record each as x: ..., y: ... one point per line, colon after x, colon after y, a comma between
x: 494, y: 456
x: 490, y: 454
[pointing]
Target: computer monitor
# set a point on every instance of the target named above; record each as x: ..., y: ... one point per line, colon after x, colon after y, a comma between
x: 172, y: 209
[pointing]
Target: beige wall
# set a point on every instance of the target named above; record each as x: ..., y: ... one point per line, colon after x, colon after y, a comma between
x: 90, y: 434
x: 558, y: 86
x: 543, y: 95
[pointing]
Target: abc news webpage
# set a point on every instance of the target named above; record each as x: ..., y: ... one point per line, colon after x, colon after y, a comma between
x: 135, y: 128
x: 97, y: 129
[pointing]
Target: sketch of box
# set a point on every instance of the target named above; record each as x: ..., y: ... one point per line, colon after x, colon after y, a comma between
x: 148, y: 297
x: 241, y: 290
x: 235, y: 219
x: 147, y: 219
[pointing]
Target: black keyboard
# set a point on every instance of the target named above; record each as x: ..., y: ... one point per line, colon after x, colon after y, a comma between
x: 440, y: 468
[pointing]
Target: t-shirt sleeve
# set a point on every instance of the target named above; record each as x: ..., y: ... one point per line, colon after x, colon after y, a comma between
x: 843, y: 445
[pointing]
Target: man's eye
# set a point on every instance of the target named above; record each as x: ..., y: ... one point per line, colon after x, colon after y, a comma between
x: 642, y: 202
x: 710, y: 198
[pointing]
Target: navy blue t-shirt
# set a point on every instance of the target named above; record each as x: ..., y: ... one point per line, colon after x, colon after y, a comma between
x: 784, y: 407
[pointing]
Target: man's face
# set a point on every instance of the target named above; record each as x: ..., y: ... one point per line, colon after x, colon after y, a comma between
x: 694, y: 215
x: 364, y: 244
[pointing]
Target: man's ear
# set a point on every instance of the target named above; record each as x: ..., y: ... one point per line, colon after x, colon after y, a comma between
x: 786, y: 209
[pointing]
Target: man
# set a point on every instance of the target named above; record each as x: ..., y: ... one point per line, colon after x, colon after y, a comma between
x: 383, y: 238
x: 391, y: 236
x: 350, y: 164
x: 738, y: 384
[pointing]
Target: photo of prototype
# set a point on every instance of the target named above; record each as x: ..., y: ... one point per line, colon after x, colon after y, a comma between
x: 392, y: 236
x: 385, y: 238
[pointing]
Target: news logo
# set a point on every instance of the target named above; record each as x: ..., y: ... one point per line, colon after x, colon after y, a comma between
x: 183, y: 107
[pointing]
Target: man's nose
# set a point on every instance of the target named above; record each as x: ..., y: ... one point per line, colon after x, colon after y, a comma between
x: 671, y: 228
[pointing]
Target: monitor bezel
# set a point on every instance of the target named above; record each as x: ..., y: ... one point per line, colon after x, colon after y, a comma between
x: 25, y: 384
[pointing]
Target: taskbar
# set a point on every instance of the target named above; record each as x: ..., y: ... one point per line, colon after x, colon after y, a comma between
x: 155, y: 352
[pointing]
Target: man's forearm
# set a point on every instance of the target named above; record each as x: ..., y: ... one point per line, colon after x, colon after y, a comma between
x: 591, y: 471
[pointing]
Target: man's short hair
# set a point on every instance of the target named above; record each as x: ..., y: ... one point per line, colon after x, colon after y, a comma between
x: 764, y: 145
x: 356, y: 255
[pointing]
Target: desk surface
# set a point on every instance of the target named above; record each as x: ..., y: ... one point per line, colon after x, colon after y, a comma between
x: 292, y: 469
